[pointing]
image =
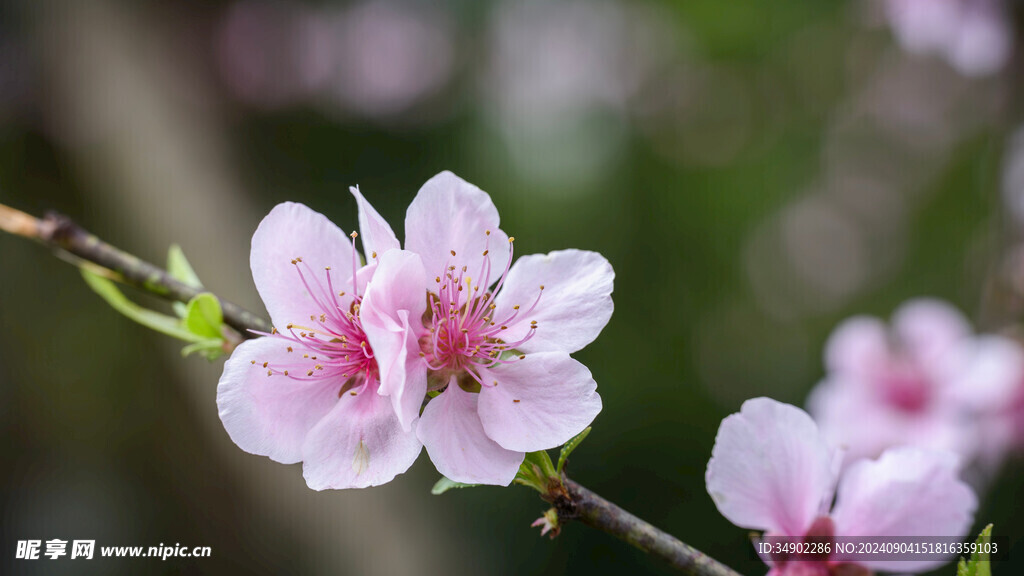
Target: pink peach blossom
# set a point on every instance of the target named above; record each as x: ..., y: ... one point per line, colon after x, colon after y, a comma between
x: 772, y: 470
x: 974, y: 36
x: 450, y: 314
x: 309, y: 391
x: 926, y: 381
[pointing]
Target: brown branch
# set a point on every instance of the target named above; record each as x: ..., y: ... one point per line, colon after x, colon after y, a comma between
x: 61, y: 233
x: 578, y: 503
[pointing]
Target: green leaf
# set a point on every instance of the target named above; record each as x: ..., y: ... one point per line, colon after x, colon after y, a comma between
x: 210, y: 349
x: 118, y: 301
x: 203, y: 316
x: 570, y: 446
x: 444, y: 484
x: 979, y: 564
x: 179, y: 268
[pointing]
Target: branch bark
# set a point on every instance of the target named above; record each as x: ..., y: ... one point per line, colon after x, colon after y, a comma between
x: 591, y: 509
x: 61, y: 233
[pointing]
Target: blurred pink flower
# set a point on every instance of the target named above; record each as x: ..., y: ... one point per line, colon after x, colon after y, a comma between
x: 974, y: 36
x: 926, y: 381
x: 450, y: 315
x: 309, y: 391
x: 772, y: 470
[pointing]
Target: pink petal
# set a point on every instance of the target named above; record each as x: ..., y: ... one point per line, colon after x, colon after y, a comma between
x: 984, y: 372
x: 359, y: 443
x: 906, y: 492
x: 851, y: 415
x: 770, y: 469
x: 540, y: 402
x: 450, y: 430
x: 374, y: 231
x: 391, y: 315
x: 290, y: 231
x: 928, y: 328
x: 270, y: 415
x: 450, y: 214
x: 859, y: 345
x: 573, y: 308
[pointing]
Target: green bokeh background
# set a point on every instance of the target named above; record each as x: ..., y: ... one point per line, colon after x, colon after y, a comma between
x: 111, y: 436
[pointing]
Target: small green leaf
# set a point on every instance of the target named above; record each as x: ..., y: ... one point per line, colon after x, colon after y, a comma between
x: 979, y: 564
x: 179, y: 268
x: 444, y: 484
x: 203, y: 317
x: 210, y: 349
x: 570, y: 446
x: 118, y: 301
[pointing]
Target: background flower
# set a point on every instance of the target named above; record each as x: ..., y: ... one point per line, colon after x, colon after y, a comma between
x: 926, y: 381
x: 772, y: 470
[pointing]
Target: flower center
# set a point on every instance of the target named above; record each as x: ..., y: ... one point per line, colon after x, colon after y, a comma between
x: 906, y: 388
x: 331, y: 344
x: 464, y: 336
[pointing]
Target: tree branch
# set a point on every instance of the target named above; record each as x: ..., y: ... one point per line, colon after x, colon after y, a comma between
x: 61, y: 233
x: 579, y: 503
x: 572, y: 501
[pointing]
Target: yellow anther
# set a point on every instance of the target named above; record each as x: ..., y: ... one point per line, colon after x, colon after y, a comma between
x: 310, y: 373
x: 265, y: 364
x: 453, y: 252
x: 354, y: 234
x: 373, y: 254
x: 270, y: 372
x: 285, y: 372
x: 511, y: 238
x: 290, y: 349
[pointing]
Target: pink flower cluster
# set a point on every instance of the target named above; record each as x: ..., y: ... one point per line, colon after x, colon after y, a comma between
x: 974, y: 36
x: 926, y: 381
x: 902, y: 411
x: 773, y: 470
x: 449, y: 321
